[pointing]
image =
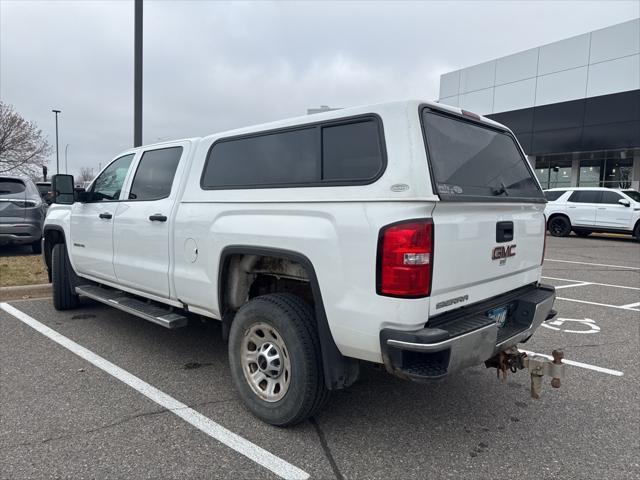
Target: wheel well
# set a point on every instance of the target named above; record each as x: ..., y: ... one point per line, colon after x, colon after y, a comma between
x: 556, y: 215
x: 246, y: 276
x: 246, y: 272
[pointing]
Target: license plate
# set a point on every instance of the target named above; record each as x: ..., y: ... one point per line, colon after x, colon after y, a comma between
x: 498, y: 315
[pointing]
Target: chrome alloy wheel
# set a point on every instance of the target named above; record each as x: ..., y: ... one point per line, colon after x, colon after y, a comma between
x: 265, y: 362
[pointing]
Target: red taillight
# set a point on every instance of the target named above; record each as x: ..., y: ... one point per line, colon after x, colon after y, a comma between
x: 405, y: 259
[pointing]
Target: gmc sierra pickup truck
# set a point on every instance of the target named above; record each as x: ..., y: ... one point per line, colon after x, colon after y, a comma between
x: 409, y: 234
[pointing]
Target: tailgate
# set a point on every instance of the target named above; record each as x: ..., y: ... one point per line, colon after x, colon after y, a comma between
x: 482, y: 250
x: 489, y: 224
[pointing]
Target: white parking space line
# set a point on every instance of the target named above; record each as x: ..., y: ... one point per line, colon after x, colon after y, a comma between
x: 598, y: 304
x: 631, y: 305
x: 592, y: 283
x: 573, y: 285
x: 616, y: 373
x: 594, y: 264
x: 241, y: 445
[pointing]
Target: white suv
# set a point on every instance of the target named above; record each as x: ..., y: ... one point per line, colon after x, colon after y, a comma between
x: 587, y: 210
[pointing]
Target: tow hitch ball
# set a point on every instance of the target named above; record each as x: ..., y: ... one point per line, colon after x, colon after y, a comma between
x: 513, y: 360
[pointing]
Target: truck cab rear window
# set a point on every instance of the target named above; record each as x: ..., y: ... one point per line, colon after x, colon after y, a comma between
x: 319, y: 154
x: 155, y: 173
x: 471, y: 162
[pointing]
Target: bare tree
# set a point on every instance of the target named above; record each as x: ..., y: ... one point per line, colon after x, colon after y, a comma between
x: 23, y: 148
x: 86, y: 174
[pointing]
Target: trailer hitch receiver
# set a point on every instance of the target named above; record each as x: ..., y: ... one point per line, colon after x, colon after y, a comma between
x: 512, y: 360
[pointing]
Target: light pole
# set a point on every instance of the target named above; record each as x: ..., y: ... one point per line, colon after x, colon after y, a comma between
x: 66, y: 165
x: 56, y: 112
x: 137, y: 74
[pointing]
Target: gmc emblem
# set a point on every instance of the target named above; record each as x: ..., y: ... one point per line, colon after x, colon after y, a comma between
x: 503, y: 252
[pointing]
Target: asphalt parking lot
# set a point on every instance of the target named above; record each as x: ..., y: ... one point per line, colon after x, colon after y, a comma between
x: 63, y: 417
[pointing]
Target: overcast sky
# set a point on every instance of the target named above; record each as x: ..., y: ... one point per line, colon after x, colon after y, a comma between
x: 212, y: 66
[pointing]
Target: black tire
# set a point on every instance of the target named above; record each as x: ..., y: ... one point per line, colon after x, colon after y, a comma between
x: 582, y: 233
x: 559, y: 226
x: 636, y: 232
x: 36, y: 247
x: 64, y: 297
x: 294, y: 321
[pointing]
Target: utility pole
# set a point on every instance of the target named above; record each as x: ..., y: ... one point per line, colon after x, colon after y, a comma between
x: 56, y: 112
x: 137, y: 73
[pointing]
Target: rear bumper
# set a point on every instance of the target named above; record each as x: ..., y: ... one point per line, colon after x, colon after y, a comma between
x: 465, y: 337
x: 19, y: 233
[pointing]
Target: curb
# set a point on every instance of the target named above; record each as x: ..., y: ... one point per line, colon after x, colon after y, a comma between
x: 20, y: 292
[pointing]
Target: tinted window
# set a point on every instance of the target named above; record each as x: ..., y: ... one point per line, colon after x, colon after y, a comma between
x: 43, y: 188
x: 305, y: 156
x: 351, y: 151
x: 109, y: 183
x: 610, y: 197
x: 11, y: 186
x: 585, y: 196
x: 470, y: 160
x: 155, y: 173
x: 633, y: 194
x: 278, y: 158
x: 554, y: 195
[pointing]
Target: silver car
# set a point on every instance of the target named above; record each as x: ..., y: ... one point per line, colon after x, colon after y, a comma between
x: 22, y: 213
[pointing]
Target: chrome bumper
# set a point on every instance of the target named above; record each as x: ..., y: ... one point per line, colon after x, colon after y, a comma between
x: 466, y: 338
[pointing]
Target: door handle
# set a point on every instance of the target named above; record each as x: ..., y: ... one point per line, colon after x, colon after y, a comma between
x: 107, y: 216
x: 602, y: 208
x: 158, y: 218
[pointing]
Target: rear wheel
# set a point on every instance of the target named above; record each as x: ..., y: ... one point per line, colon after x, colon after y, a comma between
x: 64, y: 296
x: 582, y: 233
x: 36, y: 247
x: 275, y: 359
x: 559, y: 226
x: 636, y: 232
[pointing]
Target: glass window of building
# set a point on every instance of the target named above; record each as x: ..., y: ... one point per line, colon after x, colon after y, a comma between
x: 618, y: 170
x: 589, y: 174
x: 553, y: 171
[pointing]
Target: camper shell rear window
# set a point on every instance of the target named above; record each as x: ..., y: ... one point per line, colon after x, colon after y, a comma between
x: 471, y: 161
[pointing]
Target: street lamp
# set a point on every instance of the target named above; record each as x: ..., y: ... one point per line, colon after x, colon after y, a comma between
x: 56, y: 112
x: 66, y: 165
x: 137, y: 74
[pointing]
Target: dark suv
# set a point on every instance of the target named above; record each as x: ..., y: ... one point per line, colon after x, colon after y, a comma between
x: 22, y: 212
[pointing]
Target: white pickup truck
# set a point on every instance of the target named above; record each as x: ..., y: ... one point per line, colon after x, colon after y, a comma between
x: 409, y: 234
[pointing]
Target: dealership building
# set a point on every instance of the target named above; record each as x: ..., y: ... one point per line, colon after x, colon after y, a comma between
x: 573, y: 104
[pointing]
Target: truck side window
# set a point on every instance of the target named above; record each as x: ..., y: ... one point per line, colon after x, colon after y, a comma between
x: 155, y: 173
x: 351, y: 151
x: 109, y: 183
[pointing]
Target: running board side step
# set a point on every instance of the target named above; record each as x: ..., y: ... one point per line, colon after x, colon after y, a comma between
x: 161, y: 315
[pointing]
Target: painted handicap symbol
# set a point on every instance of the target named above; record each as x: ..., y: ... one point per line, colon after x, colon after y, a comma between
x: 587, y: 323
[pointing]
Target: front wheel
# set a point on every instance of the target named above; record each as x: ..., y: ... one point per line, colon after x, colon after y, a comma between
x: 559, y: 226
x: 275, y: 359
x: 636, y: 232
x: 64, y: 296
